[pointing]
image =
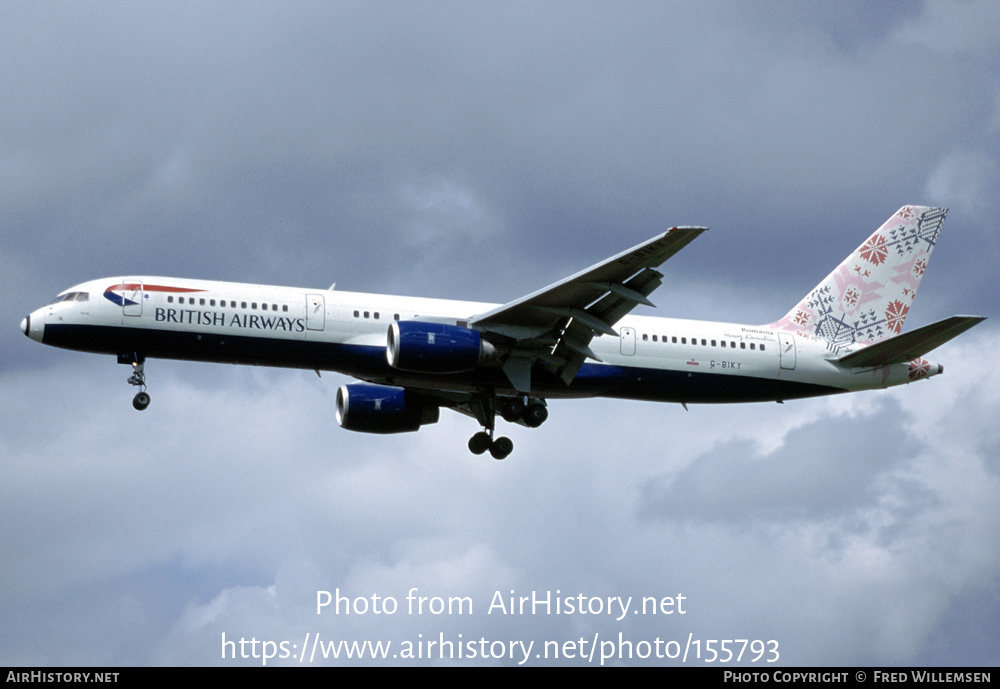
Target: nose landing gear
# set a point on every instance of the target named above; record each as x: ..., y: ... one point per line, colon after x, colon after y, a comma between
x: 138, y: 378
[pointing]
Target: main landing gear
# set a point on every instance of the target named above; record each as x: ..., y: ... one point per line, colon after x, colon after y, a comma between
x: 483, y: 441
x: 531, y: 412
x: 138, y: 378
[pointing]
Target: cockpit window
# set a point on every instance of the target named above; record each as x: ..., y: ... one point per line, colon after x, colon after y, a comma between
x: 72, y: 296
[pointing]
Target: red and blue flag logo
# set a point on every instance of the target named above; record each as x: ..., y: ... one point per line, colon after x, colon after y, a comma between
x: 129, y: 293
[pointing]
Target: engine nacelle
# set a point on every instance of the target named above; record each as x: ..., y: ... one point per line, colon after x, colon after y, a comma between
x: 382, y: 409
x: 436, y: 348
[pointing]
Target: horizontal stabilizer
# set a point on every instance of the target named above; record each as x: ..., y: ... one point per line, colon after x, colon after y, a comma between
x: 909, y: 346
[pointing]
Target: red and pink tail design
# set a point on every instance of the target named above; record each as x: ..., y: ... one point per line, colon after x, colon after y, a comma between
x: 867, y: 297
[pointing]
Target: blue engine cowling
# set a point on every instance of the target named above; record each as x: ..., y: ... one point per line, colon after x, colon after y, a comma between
x: 382, y: 409
x: 436, y: 348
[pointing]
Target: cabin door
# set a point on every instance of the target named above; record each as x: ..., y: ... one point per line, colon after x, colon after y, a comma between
x: 628, y: 341
x: 315, y: 311
x: 786, y: 345
x: 132, y: 297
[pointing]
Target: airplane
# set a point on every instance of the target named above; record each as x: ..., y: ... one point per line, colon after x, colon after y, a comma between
x: 572, y: 339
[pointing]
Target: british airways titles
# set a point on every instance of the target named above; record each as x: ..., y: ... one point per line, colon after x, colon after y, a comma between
x: 235, y: 320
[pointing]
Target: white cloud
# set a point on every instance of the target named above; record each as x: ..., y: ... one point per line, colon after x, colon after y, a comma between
x: 965, y: 180
x: 233, y: 499
x: 955, y: 26
x: 445, y: 210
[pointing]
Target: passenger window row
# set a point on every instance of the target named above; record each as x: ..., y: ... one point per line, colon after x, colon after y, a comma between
x: 373, y: 315
x: 704, y: 342
x: 222, y: 303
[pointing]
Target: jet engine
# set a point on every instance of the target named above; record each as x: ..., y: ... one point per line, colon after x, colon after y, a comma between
x: 436, y: 348
x: 382, y: 409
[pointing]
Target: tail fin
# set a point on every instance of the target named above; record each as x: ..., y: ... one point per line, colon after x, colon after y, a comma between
x: 867, y: 297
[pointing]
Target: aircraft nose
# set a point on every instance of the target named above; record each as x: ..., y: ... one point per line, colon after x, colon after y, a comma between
x: 33, y: 324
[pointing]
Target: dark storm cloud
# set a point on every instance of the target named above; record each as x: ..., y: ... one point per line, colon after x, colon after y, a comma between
x: 481, y: 151
x: 825, y: 469
x: 191, y: 131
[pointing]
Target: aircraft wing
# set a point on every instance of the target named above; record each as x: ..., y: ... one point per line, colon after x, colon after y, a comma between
x: 556, y: 324
x: 909, y: 346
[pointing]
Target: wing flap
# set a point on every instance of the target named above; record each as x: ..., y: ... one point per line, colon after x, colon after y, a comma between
x: 909, y: 346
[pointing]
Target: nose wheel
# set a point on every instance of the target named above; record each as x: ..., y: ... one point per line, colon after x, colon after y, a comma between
x: 141, y: 400
x: 138, y: 378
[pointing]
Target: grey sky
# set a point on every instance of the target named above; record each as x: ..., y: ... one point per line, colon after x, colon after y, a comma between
x: 480, y: 151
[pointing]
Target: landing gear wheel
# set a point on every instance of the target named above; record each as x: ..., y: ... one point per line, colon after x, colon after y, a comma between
x: 484, y: 406
x: 141, y: 400
x: 480, y: 443
x: 501, y: 447
x: 535, y: 415
x: 512, y: 410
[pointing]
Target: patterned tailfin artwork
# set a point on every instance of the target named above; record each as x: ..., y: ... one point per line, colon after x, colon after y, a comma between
x: 867, y: 297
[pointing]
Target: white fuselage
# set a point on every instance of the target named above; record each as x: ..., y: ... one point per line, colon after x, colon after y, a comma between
x: 660, y: 359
